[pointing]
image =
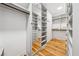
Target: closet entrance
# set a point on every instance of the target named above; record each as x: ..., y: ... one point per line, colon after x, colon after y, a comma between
x: 60, y: 44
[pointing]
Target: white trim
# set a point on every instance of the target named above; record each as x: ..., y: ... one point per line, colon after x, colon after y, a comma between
x: 1, y: 51
x: 69, y: 37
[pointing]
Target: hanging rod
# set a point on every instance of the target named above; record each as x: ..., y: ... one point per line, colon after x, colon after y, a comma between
x: 16, y: 7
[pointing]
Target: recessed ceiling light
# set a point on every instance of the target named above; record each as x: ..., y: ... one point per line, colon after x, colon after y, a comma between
x: 59, y: 8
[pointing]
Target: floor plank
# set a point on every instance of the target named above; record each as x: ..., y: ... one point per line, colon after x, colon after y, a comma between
x: 54, y: 47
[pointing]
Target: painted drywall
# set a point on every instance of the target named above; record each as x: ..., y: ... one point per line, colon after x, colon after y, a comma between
x: 59, y: 34
x: 12, y: 31
x: 49, y: 26
x: 53, y: 34
x: 56, y: 8
x: 75, y: 29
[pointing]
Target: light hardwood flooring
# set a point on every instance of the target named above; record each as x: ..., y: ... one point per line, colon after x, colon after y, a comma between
x: 54, y: 47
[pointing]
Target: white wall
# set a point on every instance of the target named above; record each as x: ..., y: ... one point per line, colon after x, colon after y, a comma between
x: 53, y: 8
x: 76, y: 29
x: 53, y: 34
x: 12, y: 31
x: 59, y: 34
x: 49, y: 26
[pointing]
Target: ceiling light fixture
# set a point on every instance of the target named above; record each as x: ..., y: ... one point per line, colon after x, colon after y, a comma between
x: 59, y: 8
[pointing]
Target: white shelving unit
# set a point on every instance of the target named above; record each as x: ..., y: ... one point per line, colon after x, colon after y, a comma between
x: 34, y: 25
x: 69, y: 30
x: 58, y: 21
x: 43, y: 25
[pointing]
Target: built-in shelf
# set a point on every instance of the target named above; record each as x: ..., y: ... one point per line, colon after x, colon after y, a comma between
x: 54, y: 19
x: 44, y: 36
x: 62, y: 29
x: 44, y: 17
x: 43, y: 41
x: 44, y: 31
x: 44, y: 22
x: 34, y: 17
x: 69, y: 32
x: 34, y: 25
x: 44, y: 26
x: 70, y: 18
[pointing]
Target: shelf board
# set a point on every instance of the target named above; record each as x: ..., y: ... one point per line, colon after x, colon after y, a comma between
x: 59, y: 18
x: 34, y: 23
x: 44, y: 26
x: 44, y: 36
x: 44, y: 31
x: 62, y: 29
x: 34, y: 17
x: 43, y: 16
x: 44, y: 22
x: 44, y: 13
x: 43, y: 41
x: 59, y: 29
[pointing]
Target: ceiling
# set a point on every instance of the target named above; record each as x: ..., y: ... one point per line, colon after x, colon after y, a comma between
x: 55, y: 8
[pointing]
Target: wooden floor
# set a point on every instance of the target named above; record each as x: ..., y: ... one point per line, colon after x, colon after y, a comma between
x: 54, y: 47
